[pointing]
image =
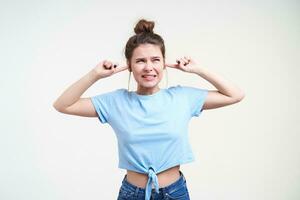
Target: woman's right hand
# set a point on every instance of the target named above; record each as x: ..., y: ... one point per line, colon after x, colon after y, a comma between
x: 107, y: 68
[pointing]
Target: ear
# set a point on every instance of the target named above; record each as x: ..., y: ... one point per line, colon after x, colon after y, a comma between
x: 129, y: 67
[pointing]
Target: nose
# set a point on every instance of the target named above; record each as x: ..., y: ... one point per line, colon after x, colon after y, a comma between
x: 148, y: 66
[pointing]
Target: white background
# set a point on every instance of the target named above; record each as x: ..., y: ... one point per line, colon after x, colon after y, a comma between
x: 244, y: 151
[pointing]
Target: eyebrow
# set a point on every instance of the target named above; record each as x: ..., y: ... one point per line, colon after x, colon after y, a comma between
x: 144, y: 58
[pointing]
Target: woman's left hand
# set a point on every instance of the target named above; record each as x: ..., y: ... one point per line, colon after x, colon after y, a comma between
x: 186, y: 64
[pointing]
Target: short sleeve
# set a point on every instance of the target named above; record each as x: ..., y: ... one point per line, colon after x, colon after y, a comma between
x: 102, y: 104
x: 195, y: 99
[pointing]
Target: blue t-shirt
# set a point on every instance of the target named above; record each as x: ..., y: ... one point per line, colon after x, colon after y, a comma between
x: 151, y: 130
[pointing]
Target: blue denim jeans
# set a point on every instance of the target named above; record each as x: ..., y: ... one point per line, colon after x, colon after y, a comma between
x: 175, y: 191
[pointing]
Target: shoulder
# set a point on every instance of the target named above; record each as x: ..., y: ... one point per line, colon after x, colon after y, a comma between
x: 174, y: 88
x: 114, y: 92
x: 186, y: 89
x: 110, y: 95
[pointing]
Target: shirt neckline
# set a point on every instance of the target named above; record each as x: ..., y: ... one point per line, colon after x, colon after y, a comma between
x: 147, y: 96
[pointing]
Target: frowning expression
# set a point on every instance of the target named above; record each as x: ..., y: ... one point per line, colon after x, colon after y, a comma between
x: 147, y: 66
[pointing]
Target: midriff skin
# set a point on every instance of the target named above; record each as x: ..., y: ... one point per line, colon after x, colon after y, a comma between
x: 165, y: 178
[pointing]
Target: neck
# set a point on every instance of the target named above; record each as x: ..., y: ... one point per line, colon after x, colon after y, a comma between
x: 147, y: 91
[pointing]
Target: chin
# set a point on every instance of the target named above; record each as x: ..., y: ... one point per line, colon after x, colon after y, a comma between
x: 148, y: 85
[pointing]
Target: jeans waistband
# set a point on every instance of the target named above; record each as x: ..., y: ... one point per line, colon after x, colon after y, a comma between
x: 134, y: 188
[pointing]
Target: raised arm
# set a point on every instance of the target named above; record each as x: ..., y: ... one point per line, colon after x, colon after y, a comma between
x: 70, y: 102
x: 227, y: 93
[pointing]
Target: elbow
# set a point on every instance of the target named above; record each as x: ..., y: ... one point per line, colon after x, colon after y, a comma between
x: 240, y: 97
x: 57, y: 108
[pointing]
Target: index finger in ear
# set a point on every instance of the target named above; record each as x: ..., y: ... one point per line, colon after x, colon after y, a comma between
x: 171, y: 65
x: 121, y: 67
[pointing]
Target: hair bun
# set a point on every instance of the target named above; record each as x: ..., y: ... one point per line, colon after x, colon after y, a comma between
x: 144, y: 26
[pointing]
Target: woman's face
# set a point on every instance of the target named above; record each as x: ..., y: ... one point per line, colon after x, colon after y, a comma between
x: 147, y: 66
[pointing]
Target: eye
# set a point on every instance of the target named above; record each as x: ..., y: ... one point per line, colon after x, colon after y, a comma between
x: 157, y: 59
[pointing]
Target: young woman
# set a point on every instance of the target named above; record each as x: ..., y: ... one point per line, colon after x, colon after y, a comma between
x: 150, y: 123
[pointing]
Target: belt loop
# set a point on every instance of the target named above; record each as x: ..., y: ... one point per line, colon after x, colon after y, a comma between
x: 183, y: 176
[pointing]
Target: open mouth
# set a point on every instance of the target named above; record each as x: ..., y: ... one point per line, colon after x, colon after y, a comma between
x: 144, y: 76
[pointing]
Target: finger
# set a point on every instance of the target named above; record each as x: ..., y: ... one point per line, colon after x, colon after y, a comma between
x: 171, y: 65
x: 179, y: 62
x: 120, y: 68
x: 105, y: 64
x: 185, y: 60
x: 182, y: 62
x: 115, y: 65
x: 110, y: 65
x: 188, y: 58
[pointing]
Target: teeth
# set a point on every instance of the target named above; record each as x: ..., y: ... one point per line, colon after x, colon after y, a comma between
x: 148, y: 75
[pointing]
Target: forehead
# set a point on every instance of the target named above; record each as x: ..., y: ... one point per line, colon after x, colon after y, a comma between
x: 146, y: 50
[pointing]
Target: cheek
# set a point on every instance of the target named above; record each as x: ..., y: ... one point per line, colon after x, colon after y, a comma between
x: 138, y: 68
x: 161, y: 75
x: 160, y: 69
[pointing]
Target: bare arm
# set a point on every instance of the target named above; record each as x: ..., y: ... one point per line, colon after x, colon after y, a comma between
x: 70, y: 102
x: 227, y: 93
